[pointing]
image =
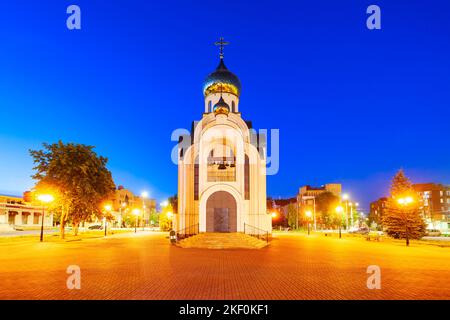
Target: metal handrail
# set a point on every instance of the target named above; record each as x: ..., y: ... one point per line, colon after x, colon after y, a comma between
x: 188, y: 232
x: 259, y: 234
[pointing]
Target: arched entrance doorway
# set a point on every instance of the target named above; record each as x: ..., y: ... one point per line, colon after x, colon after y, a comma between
x: 221, y: 212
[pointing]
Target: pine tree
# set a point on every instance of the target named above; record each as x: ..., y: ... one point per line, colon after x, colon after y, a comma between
x: 403, y: 221
x: 401, y: 185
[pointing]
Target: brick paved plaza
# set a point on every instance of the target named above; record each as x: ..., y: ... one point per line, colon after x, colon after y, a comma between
x: 294, y: 266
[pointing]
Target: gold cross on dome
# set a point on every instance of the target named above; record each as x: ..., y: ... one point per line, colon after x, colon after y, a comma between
x: 221, y: 43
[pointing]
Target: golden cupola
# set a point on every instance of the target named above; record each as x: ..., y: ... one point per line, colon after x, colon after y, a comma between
x: 221, y: 107
x: 222, y: 80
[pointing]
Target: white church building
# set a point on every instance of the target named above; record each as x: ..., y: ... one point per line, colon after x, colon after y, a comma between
x: 222, y: 165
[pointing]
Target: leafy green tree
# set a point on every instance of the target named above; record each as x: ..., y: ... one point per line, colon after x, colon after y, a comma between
x: 174, y: 202
x: 154, y: 217
x: 403, y: 221
x: 165, y: 218
x: 77, y: 176
x: 326, y: 204
x: 285, y: 210
x: 292, y: 215
x: 129, y: 220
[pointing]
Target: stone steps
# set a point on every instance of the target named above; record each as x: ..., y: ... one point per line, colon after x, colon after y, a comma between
x: 212, y: 240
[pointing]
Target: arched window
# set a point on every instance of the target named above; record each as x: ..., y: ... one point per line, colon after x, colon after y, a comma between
x: 221, y: 163
x: 233, y: 106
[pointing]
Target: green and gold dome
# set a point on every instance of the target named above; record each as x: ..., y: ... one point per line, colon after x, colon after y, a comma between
x: 222, y: 80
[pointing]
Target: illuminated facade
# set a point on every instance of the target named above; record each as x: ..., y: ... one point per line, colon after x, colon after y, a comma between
x: 222, y: 165
x: 16, y: 213
x: 306, y: 195
x: 434, y: 204
x: 125, y: 201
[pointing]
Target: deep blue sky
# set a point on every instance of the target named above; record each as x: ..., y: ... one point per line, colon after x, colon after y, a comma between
x: 352, y: 105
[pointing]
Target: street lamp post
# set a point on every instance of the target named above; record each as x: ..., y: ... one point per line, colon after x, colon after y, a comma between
x: 314, y: 214
x: 351, y: 214
x: 404, y: 203
x: 274, y: 215
x: 308, y: 216
x: 44, y: 198
x: 144, y: 196
x: 136, y: 213
x: 339, y: 211
x: 170, y: 216
x: 143, y: 217
x: 42, y: 223
x: 346, y: 197
x: 313, y: 198
x: 122, y: 205
x: 351, y: 205
x: 108, y: 209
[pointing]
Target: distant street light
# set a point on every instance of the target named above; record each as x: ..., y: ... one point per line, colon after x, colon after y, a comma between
x: 136, y: 212
x: 308, y: 215
x: 144, y: 196
x: 346, y: 197
x: 313, y: 198
x: 356, y: 208
x: 274, y: 215
x: 44, y: 198
x: 339, y: 211
x: 164, y: 203
x: 361, y: 218
x: 122, y: 205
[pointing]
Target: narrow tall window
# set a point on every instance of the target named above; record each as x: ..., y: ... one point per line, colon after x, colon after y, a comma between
x: 233, y: 106
x: 209, y: 106
x: 196, y: 170
x: 247, y: 178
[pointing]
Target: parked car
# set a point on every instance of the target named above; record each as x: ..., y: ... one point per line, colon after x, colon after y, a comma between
x: 96, y: 227
x: 375, y: 235
x: 433, y: 233
x: 360, y: 231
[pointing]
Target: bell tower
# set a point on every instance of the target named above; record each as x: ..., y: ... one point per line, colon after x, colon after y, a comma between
x: 222, y: 173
